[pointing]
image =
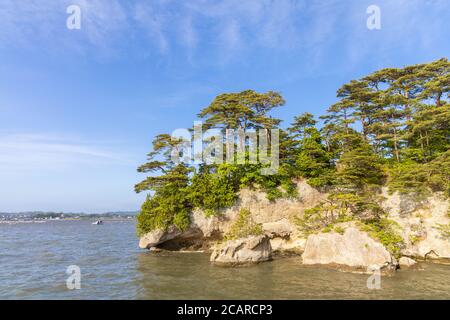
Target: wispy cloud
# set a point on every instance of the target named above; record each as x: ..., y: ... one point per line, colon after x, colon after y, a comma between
x: 154, y: 22
x: 231, y: 41
x: 230, y: 29
x: 31, y: 152
x: 165, y: 23
x: 240, y: 26
x: 103, y: 20
x: 22, y: 21
x: 182, y: 97
x: 188, y: 36
x: 407, y: 26
x: 42, y: 24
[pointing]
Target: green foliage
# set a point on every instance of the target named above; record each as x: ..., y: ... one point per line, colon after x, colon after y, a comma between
x: 212, y: 192
x: 439, y: 173
x: 409, y: 176
x: 279, y: 187
x: 337, y: 208
x: 415, y: 239
x: 339, y: 229
x: 387, y: 232
x: 181, y: 220
x: 147, y: 220
x: 169, y: 204
x: 444, y: 230
x: 276, y: 186
x: 246, y: 109
x: 244, y: 227
x: 404, y: 116
x: 314, y: 220
x: 313, y: 161
x: 359, y: 167
x: 159, y: 213
x: 177, y: 189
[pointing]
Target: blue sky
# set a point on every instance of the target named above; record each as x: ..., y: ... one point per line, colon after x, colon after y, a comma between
x: 79, y: 108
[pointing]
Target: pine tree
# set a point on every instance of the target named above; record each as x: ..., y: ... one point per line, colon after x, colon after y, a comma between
x: 359, y: 167
x: 243, y: 110
x: 436, y: 81
x: 313, y: 161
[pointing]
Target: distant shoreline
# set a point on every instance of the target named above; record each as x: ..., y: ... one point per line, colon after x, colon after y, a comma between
x: 30, y: 221
x: 42, y: 215
x: 8, y: 218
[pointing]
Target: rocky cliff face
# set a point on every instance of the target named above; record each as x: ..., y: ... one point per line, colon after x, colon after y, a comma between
x: 277, y: 219
x: 354, y: 249
x: 242, y: 251
x: 418, y: 221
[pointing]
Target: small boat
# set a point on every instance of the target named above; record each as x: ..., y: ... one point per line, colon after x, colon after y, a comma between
x: 98, y: 222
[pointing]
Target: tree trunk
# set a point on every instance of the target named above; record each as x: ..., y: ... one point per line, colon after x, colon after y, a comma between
x: 364, y: 126
x: 422, y: 147
x: 395, y: 145
x: 428, y: 143
x: 408, y: 116
x: 346, y: 124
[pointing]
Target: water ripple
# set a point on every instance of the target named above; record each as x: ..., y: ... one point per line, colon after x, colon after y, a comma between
x: 34, y: 259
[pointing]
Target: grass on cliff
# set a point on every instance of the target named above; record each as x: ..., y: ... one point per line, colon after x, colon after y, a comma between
x: 444, y: 230
x: 337, y: 208
x: 244, y: 226
x: 345, y: 207
x: 387, y: 232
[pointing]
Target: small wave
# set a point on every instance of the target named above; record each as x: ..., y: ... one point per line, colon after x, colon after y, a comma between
x: 21, y: 222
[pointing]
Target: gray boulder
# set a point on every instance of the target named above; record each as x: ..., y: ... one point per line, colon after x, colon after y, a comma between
x: 253, y: 249
x: 406, y: 262
x: 278, y: 229
x: 353, y: 250
x: 157, y: 237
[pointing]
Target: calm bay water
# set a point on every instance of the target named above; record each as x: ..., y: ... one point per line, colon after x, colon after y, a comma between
x: 34, y: 259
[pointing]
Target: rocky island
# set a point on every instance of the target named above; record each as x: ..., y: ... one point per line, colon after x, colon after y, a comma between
x: 365, y: 189
x: 348, y: 246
